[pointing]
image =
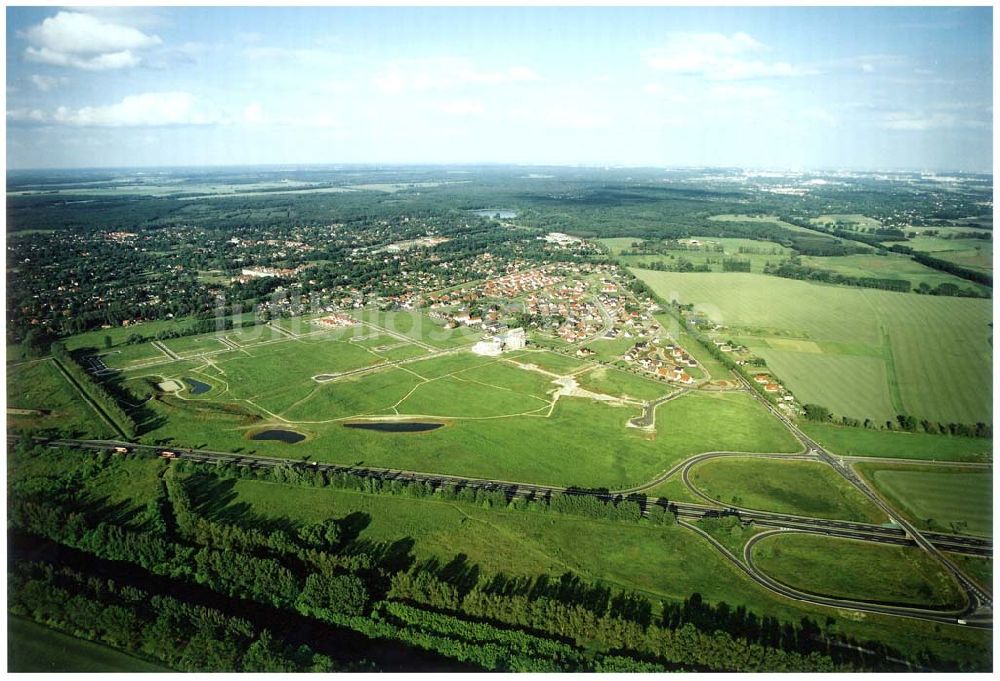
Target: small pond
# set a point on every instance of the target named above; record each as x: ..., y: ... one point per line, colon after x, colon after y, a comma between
x: 395, y: 426
x: 197, y: 387
x: 287, y: 436
x: 501, y: 213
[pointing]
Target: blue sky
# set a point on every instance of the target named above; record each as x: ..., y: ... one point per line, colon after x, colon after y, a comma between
x: 846, y: 87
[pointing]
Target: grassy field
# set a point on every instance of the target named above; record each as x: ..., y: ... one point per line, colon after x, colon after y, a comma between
x: 32, y: 648
x: 864, y: 571
x: 899, y: 445
x: 41, y: 397
x: 923, y: 340
x: 575, y: 442
x: 616, y: 382
x: 936, y: 497
x: 891, y: 266
x: 976, y: 567
x: 976, y: 254
x: 797, y: 487
x: 663, y: 563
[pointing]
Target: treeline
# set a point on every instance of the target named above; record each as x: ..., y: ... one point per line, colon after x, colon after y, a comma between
x: 903, y: 422
x: 95, y: 391
x: 945, y: 266
x: 180, y: 635
x: 597, y: 504
x: 792, y: 268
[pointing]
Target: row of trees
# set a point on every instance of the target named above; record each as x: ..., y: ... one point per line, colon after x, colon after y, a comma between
x: 904, y: 422
x: 598, y: 504
x: 178, y: 634
x: 792, y: 268
x: 95, y: 391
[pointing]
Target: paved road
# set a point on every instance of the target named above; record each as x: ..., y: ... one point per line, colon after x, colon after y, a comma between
x: 648, y: 417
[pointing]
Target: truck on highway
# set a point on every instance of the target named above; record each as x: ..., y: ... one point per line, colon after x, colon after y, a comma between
x: 167, y: 454
x: 120, y: 450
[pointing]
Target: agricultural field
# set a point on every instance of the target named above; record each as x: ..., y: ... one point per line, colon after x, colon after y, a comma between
x: 899, y: 445
x: 955, y: 358
x: 798, y: 487
x: 937, y: 498
x: 32, y: 648
x: 865, y: 571
x: 711, y: 251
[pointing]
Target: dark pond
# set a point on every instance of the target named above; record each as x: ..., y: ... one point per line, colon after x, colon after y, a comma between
x: 502, y: 213
x: 197, y: 387
x: 287, y: 436
x: 395, y: 426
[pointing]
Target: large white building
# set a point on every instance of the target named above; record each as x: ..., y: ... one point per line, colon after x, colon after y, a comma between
x: 512, y: 339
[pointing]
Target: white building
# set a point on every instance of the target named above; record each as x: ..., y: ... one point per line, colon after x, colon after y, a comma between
x: 513, y: 339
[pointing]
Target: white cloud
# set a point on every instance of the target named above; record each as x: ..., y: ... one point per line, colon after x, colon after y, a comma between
x: 742, y: 92
x: 444, y: 73
x: 920, y: 121
x: 254, y: 113
x: 46, y: 83
x: 718, y: 57
x: 148, y: 109
x: 461, y: 107
x: 818, y: 113
x: 26, y: 116
x: 83, y: 41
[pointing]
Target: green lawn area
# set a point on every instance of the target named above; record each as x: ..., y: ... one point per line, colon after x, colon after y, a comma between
x: 714, y: 422
x: 188, y: 346
x: 418, y: 325
x: 895, y: 444
x: 32, y: 648
x: 261, y: 333
x: 553, y: 361
x: 125, y: 356
x: 799, y: 487
x: 937, y: 497
x: 848, y: 568
x: 612, y: 381
x: 936, y: 349
x: 582, y: 442
x: 39, y: 386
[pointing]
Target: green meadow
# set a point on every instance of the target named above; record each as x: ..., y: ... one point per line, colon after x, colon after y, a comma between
x: 919, y: 340
x: 898, y: 444
x: 864, y: 570
x: 799, y: 487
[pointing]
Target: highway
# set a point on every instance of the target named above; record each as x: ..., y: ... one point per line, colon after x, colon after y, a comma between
x: 980, y: 602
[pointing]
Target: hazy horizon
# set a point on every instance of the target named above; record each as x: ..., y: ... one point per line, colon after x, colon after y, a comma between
x: 856, y: 89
